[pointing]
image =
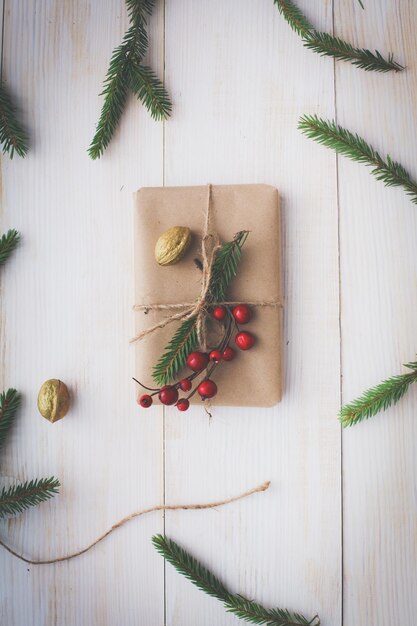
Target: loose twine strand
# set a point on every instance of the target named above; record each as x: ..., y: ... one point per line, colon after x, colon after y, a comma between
x: 210, y: 244
x: 122, y: 522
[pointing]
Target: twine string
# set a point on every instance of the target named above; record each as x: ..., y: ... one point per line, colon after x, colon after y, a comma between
x: 162, y: 507
x: 210, y: 244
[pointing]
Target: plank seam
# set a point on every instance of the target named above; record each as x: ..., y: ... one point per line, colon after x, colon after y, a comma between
x: 340, y: 333
x: 164, y: 409
x: 2, y: 37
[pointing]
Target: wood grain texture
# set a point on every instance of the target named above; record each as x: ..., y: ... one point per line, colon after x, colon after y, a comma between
x: 379, y: 299
x: 66, y: 311
x: 236, y: 111
x: 239, y: 80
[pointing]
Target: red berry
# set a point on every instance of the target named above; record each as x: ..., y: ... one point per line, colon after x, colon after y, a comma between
x: 244, y: 340
x: 242, y: 313
x: 183, y: 404
x: 168, y: 395
x: 216, y: 356
x: 219, y: 313
x: 185, y: 384
x: 145, y: 401
x: 228, y: 354
x: 197, y: 361
x: 207, y: 388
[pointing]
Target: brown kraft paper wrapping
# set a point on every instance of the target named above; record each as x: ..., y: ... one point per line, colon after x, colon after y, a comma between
x: 254, y: 377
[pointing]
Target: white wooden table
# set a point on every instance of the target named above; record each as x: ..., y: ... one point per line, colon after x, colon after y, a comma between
x: 336, y: 533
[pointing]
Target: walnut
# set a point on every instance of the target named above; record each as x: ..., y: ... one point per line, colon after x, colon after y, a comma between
x: 172, y: 245
x: 53, y: 400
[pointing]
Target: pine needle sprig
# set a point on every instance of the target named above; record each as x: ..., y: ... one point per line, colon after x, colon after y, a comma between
x: 329, y: 45
x: 378, y: 398
x: 138, y: 9
x: 331, y: 135
x: 175, y: 354
x: 9, y: 403
x: 294, y: 16
x: 8, y: 242
x: 115, y: 95
x: 240, y: 606
x: 18, y: 498
x: 184, y: 341
x: 225, y: 266
x: 13, y: 137
x: 125, y: 73
x: 151, y: 91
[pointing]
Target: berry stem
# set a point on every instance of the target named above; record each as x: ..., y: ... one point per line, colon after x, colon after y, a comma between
x: 207, y: 373
x: 144, y: 386
x: 228, y: 331
x: 226, y: 337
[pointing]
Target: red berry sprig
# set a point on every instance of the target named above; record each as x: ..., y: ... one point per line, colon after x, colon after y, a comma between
x: 242, y: 314
x: 244, y: 340
x: 219, y: 313
x: 203, y: 364
x: 197, y: 361
x: 145, y: 401
x: 185, y: 384
x: 228, y: 354
x: 207, y: 389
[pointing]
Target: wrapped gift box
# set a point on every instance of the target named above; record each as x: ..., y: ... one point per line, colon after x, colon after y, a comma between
x: 254, y: 377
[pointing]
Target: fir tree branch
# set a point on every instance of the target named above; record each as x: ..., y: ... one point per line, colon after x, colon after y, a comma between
x: 8, y: 242
x: 378, y: 398
x: 225, y: 266
x: 175, y: 354
x: 243, y: 608
x: 16, y: 499
x: 184, y: 341
x: 331, y: 135
x: 9, y: 403
x: 115, y: 94
x: 13, y: 137
x: 294, y: 16
x: 328, y: 45
x: 138, y: 10
x: 126, y: 72
x: 150, y: 90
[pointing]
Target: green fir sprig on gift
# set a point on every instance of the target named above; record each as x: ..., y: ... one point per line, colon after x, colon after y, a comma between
x: 378, y: 398
x: 351, y: 145
x: 127, y: 73
x: 184, y: 341
x: 17, y: 498
x: 242, y: 607
x: 13, y: 137
x: 175, y: 354
x: 326, y: 44
x: 225, y: 266
x: 8, y: 242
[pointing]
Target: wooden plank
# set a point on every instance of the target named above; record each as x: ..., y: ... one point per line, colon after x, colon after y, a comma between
x: 240, y: 79
x: 379, y: 299
x: 66, y: 311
